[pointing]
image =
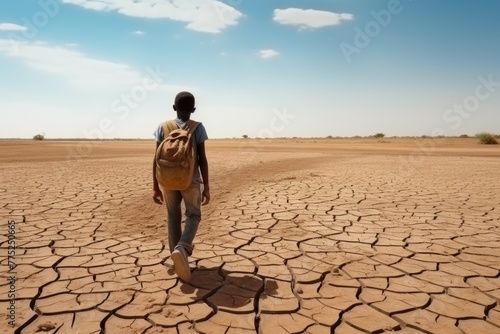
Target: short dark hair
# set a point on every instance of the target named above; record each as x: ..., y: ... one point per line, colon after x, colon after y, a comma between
x: 184, y: 101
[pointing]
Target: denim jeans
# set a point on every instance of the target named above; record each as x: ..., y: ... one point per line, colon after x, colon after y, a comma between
x: 192, y: 202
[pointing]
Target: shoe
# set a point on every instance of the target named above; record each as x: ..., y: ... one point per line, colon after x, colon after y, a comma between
x: 181, y: 264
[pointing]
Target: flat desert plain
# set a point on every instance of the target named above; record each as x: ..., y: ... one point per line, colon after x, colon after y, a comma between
x: 301, y: 236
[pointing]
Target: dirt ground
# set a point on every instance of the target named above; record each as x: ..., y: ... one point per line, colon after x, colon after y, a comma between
x: 396, y: 235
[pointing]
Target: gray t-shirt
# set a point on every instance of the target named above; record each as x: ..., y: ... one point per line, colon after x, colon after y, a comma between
x: 200, y: 135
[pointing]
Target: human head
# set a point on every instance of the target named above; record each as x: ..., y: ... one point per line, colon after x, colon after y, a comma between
x: 184, y: 103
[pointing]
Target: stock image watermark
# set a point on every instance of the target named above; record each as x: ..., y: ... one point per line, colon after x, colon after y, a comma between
x: 364, y: 36
x: 277, y: 123
x: 48, y: 9
x: 120, y: 109
x: 453, y: 117
x: 462, y: 110
x: 11, y: 273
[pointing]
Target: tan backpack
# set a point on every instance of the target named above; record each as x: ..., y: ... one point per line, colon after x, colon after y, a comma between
x: 176, y: 157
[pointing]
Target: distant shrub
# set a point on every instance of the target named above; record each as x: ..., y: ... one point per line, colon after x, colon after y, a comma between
x: 329, y: 137
x: 424, y: 136
x: 464, y: 136
x: 245, y: 136
x: 38, y: 137
x: 379, y: 135
x: 486, y: 138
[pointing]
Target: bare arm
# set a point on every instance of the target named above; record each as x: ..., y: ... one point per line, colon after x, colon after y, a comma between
x: 157, y: 195
x: 203, y: 162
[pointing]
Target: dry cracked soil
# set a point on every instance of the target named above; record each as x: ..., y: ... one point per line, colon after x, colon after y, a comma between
x: 302, y: 236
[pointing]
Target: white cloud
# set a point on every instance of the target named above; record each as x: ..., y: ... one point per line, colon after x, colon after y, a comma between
x: 138, y: 33
x: 309, y: 18
x: 209, y: 16
x: 12, y: 27
x: 72, y: 45
x: 269, y: 53
x: 72, y: 65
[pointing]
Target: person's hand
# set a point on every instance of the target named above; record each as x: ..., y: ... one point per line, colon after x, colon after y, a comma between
x: 205, y: 197
x: 158, y: 197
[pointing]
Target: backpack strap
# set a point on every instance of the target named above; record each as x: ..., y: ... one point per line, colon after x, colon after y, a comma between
x: 168, y: 126
x: 191, y: 126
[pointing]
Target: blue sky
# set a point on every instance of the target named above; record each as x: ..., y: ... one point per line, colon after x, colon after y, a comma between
x: 111, y: 68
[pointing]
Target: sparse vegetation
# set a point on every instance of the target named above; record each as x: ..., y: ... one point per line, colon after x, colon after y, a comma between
x: 329, y: 137
x: 464, y: 136
x: 425, y: 136
x: 39, y: 136
x: 486, y: 138
x: 379, y: 135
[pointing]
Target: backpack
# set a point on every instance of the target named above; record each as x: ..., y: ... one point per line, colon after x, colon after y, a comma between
x: 176, y: 157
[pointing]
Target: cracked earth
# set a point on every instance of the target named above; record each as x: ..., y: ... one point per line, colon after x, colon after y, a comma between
x: 292, y: 242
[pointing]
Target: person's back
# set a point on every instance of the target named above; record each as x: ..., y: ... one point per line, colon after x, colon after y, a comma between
x: 181, y: 241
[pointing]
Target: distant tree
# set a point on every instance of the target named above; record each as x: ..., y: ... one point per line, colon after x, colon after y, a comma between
x: 464, y: 136
x: 245, y: 136
x: 486, y: 138
x: 39, y: 136
x: 379, y: 135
